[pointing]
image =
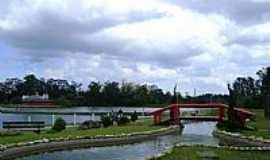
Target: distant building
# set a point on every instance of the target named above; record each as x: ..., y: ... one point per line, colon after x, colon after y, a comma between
x: 36, y: 100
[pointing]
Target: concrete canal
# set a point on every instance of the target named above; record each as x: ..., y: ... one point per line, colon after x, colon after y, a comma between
x: 193, y: 133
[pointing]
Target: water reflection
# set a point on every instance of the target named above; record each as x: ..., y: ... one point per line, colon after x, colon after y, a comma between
x: 198, y: 133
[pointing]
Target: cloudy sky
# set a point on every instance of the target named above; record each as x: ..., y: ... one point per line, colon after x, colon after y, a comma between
x: 202, y: 44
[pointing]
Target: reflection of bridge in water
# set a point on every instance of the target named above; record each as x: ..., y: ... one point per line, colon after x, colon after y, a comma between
x: 175, y: 116
x: 199, y: 118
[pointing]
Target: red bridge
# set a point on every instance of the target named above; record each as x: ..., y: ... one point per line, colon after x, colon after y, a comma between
x: 174, y: 113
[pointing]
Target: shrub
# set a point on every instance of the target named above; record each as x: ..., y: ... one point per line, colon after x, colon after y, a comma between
x: 106, y: 121
x: 233, y: 123
x: 89, y: 124
x: 123, y: 121
x: 59, y: 125
x: 134, y: 117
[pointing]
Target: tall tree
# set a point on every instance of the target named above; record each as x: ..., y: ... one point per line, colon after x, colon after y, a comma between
x: 127, y: 94
x: 94, y: 94
x: 111, y: 93
x: 156, y: 95
x: 142, y: 95
x: 246, y: 91
x: 265, y: 89
x: 31, y: 85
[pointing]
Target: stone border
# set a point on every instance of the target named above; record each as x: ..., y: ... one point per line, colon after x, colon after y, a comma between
x: 48, y: 145
x: 237, y: 139
x: 231, y: 148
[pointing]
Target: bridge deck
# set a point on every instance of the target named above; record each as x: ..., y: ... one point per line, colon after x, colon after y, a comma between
x: 200, y: 118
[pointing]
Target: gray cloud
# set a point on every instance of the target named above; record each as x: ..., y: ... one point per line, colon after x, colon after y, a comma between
x: 257, y: 35
x: 203, y: 44
x: 47, y: 33
x: 51, y: 35
x: 244, y: 12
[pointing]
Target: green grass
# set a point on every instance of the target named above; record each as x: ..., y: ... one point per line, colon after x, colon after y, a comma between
x: 262, y: 124
x: 26, y: 136
x: 192, y: 153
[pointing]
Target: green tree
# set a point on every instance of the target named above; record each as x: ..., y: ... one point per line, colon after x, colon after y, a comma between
x: 94, y: 94
x: 264, y: 76
x: 156, y: 95
x: 111, y: 93
x: 247, y: 92
x: 127, y: 94
x: 141, y: 95
x: 31, y: 85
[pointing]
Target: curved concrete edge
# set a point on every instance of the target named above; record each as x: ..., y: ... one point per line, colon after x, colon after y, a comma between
x: 230, y: 148
x: 235, y: 139
x: 22, y: 151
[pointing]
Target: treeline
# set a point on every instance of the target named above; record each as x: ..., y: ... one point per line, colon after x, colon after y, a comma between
x: 67, y: 93
x: 253, y: 93
x: 249, y: 92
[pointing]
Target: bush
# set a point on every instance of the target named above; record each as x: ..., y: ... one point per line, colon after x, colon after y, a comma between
x: 90, y: 124
x: 106, y: 121
x: 233, y: 122
x: 123, y: 121
x: 59, y: 125
x: 134, y: 117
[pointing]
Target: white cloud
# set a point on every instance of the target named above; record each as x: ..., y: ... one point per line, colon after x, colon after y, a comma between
x: 142, y: 41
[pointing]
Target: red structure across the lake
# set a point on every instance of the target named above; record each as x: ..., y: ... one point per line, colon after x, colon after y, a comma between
x: 31, y: 103
x: 174, y: 113
x: 36, y: 101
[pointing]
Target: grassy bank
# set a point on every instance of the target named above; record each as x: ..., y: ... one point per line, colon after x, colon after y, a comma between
x: 200, y: 153
x: 262, y: 125
x: 27, y: 136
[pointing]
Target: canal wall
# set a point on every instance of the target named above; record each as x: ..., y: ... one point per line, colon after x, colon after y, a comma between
x: 229, y: 148
x: 46, y: 145
x: 238, y: 140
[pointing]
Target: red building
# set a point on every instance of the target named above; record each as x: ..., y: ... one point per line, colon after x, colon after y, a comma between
x: 36, y: 101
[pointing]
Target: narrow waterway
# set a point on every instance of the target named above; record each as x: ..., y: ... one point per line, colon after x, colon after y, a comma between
x: 194, y: 133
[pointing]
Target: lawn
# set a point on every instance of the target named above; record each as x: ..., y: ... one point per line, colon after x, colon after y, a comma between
x: 200, y: 153
x: 262, y: 124
x: 26, y: 136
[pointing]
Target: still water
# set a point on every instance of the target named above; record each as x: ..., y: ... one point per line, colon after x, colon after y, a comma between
x: 48, y: 119
x: 194, y: 133
x: 48, y: 115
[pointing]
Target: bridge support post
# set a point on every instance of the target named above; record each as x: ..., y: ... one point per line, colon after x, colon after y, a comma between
x: 242, y: 119
x: 174, y: 115
x: 156, y: 118
x: 221, y: 114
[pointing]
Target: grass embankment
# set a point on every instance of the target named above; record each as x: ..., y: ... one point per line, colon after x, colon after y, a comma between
x: 27, y: 136
x: 201, y: 153
x: 262, y: 125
